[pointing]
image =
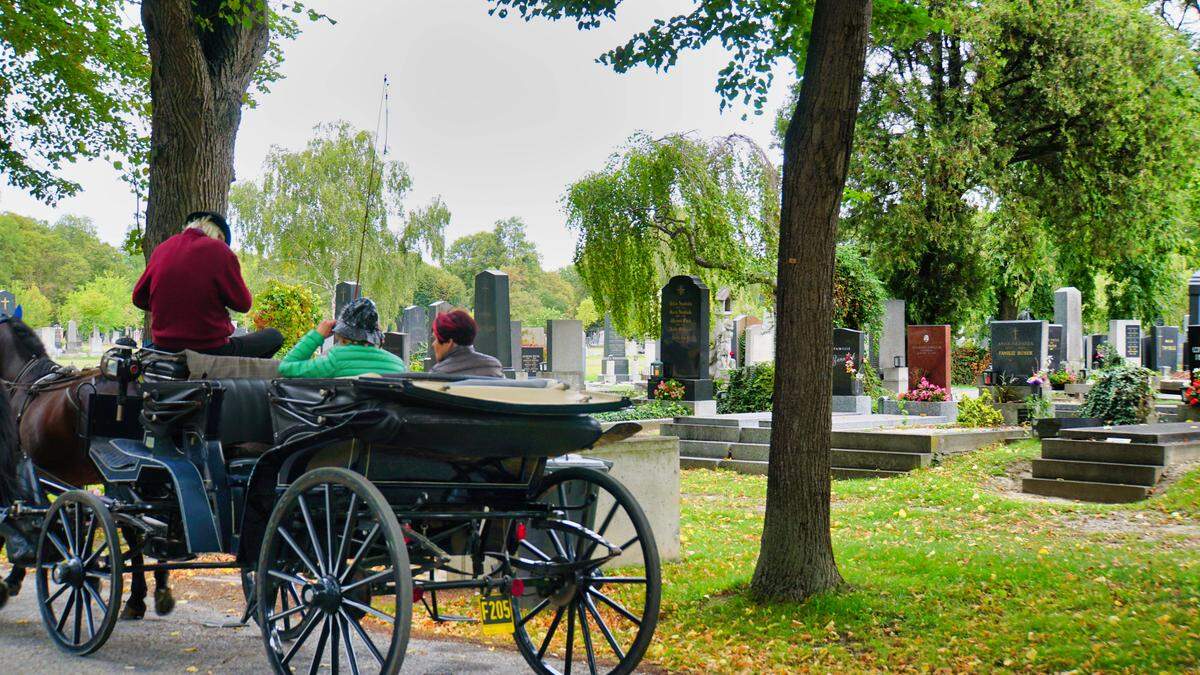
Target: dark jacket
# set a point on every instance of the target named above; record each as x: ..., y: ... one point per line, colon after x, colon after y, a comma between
x: 190, y: 280
x: 464, y: 360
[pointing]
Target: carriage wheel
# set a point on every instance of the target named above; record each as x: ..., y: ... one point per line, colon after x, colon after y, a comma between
x: 333, y: 536
x: 287, y: 597
x: 79, y: 572
x: 602, y: 617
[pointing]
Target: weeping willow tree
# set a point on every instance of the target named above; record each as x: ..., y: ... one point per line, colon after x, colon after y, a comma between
x: 670, y: 205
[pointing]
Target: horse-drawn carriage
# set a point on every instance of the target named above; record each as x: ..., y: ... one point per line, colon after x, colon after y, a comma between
x: 346, y: 503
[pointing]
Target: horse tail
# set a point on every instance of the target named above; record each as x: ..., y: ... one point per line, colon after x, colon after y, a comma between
x: 10, y: 489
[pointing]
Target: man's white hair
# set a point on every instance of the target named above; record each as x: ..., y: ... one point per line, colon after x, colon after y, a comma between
x: 206, y: 225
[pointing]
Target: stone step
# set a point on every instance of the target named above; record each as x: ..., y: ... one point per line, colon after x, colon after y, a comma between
x: 711, y: 449
x: 883, y: 441
x: 1103, y: 451
x: 842, y: 458
x: 1107, y: 493
x: 758, y: 452
x: 1097, y: 472
x: 699, y: 432
x: 1173, y: 432
x: 709, y: 421
x: 848, y: 473
x: 755, y: 435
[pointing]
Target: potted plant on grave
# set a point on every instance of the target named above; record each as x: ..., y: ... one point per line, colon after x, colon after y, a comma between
x: 1008, y: 394
x: 1122, y: 394
x: 1060, y: 378
x: 925, y: 400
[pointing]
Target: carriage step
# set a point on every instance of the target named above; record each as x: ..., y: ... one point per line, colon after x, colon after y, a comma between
x: 112, y: 457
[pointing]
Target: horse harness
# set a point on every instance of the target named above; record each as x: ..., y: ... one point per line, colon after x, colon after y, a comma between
x: 54, y: 379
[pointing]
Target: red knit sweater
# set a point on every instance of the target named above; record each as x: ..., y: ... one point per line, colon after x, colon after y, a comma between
x: 190, y: 280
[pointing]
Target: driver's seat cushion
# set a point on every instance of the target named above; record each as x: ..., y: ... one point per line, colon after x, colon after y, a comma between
x: 245, y: 412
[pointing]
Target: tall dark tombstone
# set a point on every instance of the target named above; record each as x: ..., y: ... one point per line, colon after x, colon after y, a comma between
x: 1194, y: 297
x: 1018, y: 348
x: 1094, y: 342
x: 492, y: 317
x: 412, y: 322
x: 1191, y: 357
x: 685, y: 331
x: 849, y: 346
x: 8, y: 302
x: 343, y: 293
x: 615, y: 364
x: 1162, y: 349
x: 1056, y: 348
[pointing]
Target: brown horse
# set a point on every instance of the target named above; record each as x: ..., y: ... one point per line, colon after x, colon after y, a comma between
x: 46, y: 419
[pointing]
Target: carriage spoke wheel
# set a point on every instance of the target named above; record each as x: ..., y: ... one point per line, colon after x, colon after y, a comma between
x: 334, y: 539
x: 601, y: 617
x: 79, y: 571
x: 287, y: 597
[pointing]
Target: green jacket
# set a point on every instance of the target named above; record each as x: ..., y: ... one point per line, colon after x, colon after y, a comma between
x: 341, y: 361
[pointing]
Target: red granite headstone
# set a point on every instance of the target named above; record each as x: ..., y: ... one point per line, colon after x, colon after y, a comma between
x: 929, y: 355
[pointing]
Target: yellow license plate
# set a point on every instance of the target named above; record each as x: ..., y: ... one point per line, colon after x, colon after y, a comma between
x: 496, y: 615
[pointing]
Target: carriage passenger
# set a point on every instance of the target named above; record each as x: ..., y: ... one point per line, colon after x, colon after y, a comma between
x: 355, y: 351
x: 190, y: 281
x: 453, y: 347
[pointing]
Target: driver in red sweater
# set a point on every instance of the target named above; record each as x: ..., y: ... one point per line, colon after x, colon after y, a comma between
x: 190, y: 281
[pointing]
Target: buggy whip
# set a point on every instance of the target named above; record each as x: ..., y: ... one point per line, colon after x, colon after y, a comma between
x: 380, y: 119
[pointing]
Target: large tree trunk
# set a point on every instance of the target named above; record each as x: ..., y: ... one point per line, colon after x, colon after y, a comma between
x: 201, y: 67
x: 796, y: 555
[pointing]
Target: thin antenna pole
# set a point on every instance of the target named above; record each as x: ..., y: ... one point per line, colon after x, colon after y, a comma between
x: 381, y: 117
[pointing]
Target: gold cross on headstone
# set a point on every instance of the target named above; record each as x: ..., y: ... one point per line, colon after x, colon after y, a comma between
x: 4, y: 303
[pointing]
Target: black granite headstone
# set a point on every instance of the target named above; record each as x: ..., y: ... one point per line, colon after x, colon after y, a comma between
x: 1018, y: 349
x: 343, y: 293
x: 1056, y: 348
x: 396, y: 343
x: 413, y: 323
x: 1133, y: 342
x: 1163, y: 349
x: 531, y: 359
x: 492, y: 316
x: 8, y: 302
x: 849, y: 347
x: 1097, y: 340
x: 614, y: 342
x: 1191, y: 357
x: 1194, y: 298
x: 684, y: 334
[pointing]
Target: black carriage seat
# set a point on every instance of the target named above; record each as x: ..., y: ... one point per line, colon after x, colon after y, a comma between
x: 245, y: 425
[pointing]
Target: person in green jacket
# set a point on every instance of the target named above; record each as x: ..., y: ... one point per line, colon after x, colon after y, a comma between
x: 355, y: 348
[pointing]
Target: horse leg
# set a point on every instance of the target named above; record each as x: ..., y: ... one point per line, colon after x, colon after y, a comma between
x: 14, y: 579
x: 164, y: 601
x: 135, y: 606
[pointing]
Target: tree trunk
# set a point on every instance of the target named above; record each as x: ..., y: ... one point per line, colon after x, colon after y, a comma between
x: 796, y: 554
x: 201, y: 68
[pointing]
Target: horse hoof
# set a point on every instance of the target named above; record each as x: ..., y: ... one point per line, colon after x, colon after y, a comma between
x: 164, y: 602
x: 12, y: 590
x: 133, y: 611
x: 4, y: 593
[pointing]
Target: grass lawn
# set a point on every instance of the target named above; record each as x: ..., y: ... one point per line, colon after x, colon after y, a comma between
x: 946, y: 570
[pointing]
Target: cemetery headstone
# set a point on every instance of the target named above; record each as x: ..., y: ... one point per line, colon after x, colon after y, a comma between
x: 1056, y: 347
x: 564, y: 346
x: 73, y: 342
x: 1162, y: 353
x: 514, y: 340
x: 1126, y: 336
x: 532, y: 358
x: 849, y: 351
x: 1194, y: 295
x: 1095, y: 341
x: 396, y: 343
x: 8, y: 302
x: 615, y: 364
x: 760, y: 344
x: 343, y: 293
x: 1018, y: 349
x: 740, y: 325
x: 1068, y: 313
x: 415, y: 325
x: 492, y: 317
x: 1191, y: 357
x: 684, y: 337
x: 929, y: 355
x: 96, y: 343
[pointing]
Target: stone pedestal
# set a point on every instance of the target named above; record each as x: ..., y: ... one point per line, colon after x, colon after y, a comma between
x: 858, y: 405
x: 895, y: 379
x: 649, y: 467
x: 615, y: 369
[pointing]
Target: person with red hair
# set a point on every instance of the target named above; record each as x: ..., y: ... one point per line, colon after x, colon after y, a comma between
x: 453, y: 347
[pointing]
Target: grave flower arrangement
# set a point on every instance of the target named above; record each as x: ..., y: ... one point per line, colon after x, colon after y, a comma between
x: 1191, y: 395
x: 1038, y: 379
x: 1061, y: 378
x: 925, y: 392
x: 669, y: 390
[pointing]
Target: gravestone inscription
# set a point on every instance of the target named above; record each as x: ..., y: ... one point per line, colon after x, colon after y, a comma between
x: 849, y: 346
x: 684, y: 334
x: 1163, y: 349
x: 929, y: 355
x: 1018, y: 349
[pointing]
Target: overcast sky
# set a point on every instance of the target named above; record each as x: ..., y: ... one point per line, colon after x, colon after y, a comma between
x: 497, y: 116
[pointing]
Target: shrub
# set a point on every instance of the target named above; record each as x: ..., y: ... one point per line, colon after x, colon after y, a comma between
x: 651, y: 410
x: 749, y: 389
x: 979, y: 412
x: 858, y: 295
x: 967, y: 362
x: 1060, y: 378
x: 289, y: 308
x: 1120, y: 395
